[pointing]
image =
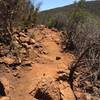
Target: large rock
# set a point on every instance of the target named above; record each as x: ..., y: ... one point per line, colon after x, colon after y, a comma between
x: 4, y: 98
x: 5, y: 86
x: 8, y: 60
x: 66, y: 91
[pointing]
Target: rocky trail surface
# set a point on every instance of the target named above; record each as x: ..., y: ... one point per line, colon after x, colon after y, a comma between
x: 40, y: 81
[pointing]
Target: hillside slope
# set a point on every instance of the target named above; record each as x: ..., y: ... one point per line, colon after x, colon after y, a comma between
x: 91, y: 6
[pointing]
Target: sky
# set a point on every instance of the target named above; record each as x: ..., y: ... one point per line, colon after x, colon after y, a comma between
x: 49, y: 4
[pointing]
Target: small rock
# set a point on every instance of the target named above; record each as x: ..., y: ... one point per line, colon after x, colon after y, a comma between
x: 54, y: 29
x: 58, y: 58
x: 37, y: 45
x: 18, y: 67
x: 27, y: 63
x: 32, y: 41
x: 24, y: 39
x: 41, y: 27
x: 16, y: 74
x: 22, y: 34
x: 97, y: 83
x: 16, y: 42
x: 45, y: 52
x: 23, y: 51
x: 7, y: 70
x: 16, y: 36
x: 27, y: 46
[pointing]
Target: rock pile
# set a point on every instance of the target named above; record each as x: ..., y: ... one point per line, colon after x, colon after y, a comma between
x: 23, y: 50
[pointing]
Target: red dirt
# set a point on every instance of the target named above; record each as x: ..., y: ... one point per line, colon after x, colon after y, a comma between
x: 45, y: 66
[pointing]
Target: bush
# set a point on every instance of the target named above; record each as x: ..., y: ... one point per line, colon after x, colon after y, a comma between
x: 57, y: 21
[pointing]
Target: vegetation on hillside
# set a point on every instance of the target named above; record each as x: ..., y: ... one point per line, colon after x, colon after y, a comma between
x: 92, y: 7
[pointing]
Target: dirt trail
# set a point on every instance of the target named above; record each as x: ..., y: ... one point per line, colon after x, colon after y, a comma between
x: 46, y: 66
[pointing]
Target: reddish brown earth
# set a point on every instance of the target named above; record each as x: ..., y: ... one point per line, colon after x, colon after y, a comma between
x: 52, y: 60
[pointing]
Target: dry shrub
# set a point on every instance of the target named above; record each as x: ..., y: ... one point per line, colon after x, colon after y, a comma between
x: 86, y: 40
